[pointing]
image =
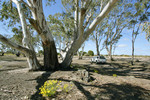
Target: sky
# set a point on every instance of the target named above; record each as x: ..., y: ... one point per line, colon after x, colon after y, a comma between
x: 124, y: 47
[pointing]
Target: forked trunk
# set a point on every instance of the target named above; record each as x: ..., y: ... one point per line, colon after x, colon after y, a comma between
x: 69, y: 56
x: 40, y: 25
x: 50, y: 56
x: 67, y: 61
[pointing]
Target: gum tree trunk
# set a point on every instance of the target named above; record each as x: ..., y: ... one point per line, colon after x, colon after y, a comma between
x: 40, y: 25
x: 50, y: 56
x: 110, y: 53
x: 132, y: 52
x: 97, y: 46
x: 68, y: 58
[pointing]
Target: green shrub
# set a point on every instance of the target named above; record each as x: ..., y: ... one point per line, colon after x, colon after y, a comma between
x: 84, y: 53
x: 40, y: 52
x: 90, y: 53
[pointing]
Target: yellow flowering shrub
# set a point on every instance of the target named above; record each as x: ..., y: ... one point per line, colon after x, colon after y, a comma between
x: 51, y: 87
x: 66, y: 87
x: 114, y: 75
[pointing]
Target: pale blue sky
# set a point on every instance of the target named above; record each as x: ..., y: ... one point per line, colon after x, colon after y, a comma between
x: 142, y: 46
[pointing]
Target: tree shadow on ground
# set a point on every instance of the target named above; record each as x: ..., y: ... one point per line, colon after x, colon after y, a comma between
x: 122, y: 92
x: 40, y: 81
x: 112, y: 91
x: 121, y: 69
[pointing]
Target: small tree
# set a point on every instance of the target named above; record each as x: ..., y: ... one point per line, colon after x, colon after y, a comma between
x: 138, y: 15
x: 116, y: 22
x: 98, y: 35
x: 90, y: 53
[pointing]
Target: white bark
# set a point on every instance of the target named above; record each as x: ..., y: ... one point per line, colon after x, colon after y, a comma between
x: 40, y: 25
x: 64, y: 51
x: 76, y: 19
x: 39, y: 20
x: 31, y: 58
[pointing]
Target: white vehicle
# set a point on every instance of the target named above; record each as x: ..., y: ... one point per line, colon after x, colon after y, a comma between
x: 98, y: 59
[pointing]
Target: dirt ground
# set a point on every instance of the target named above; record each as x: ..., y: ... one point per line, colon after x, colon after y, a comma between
x: 128, y: 83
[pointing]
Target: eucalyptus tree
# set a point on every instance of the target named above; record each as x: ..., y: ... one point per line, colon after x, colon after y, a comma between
x: 83, y: 24
x: 138, y: 15
x: 99, y: 35
x: 116, y: 22
x: 83, y: 27
x: 14, y: 13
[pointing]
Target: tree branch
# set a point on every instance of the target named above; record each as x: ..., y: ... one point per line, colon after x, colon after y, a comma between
x: 14, y: 45
x: 100, y: 17
x: 26, y: 5
x: 87, y: 20
x: 76, y: 19
x: 35, y: 24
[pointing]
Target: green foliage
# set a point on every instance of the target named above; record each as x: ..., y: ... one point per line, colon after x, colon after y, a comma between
x: 90, y: 53
x: 146, y: 28
x: 8, y: 13
x: 18, y: 36
x: 40, y: 52
x: 84, y: 53
x: 51, y: 87
x: 62, y: 27
x: 10, y: 17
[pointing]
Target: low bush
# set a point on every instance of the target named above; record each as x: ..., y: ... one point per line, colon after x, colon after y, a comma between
x: 51, y: 87
x: 90, y: 53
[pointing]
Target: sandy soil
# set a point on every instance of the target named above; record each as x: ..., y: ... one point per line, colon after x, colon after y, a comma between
x: 131, y: 82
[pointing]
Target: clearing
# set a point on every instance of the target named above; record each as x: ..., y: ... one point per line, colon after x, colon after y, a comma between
x: 116, y: 80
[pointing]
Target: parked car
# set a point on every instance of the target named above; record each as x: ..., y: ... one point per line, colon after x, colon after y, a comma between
x: 98, y: 59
